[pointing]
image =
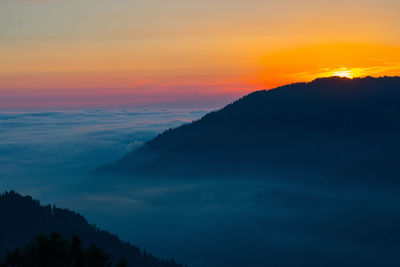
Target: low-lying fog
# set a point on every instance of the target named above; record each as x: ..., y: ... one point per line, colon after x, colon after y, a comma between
x: 201, y: 222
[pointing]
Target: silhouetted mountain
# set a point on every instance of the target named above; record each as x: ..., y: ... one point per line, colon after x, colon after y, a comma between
x: 22, y: 218
x: 334, y: 126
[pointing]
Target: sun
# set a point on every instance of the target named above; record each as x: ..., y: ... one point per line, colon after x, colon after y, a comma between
x: 343, y: 73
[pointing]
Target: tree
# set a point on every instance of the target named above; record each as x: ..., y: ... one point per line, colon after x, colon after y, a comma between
x: 122, y: 263
x: 55, y: 251
x: 97, y: 258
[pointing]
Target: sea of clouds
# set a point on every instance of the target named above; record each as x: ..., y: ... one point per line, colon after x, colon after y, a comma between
x: 213, y: 221
x: 54, y: 149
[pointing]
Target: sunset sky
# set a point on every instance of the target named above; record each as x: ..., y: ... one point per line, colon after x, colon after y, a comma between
x: 88, y: 53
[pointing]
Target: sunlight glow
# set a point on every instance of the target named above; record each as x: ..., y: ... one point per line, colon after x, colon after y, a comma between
x: 344, y: 73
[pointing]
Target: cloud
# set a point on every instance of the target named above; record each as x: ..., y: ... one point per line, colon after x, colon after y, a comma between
x: 41, y: 146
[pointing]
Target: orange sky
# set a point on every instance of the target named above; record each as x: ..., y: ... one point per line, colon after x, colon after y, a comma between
x: 134, y: 52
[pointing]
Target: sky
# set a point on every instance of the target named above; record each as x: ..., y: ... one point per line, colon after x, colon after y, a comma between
x: 95, y: 53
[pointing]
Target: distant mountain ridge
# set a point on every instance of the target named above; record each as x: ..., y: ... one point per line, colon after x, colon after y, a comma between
x: 331, y: 126
x: 22, y: 218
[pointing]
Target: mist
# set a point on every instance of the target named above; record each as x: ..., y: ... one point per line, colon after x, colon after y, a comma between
x: 207, y: 221
x: 42, y: 151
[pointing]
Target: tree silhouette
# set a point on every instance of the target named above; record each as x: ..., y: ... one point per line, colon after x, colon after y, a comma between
x: 122, y: 263
x: 23, y: 218
x: 55, y: 251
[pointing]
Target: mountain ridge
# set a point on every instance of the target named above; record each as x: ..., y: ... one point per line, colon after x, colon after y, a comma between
x: 22, y: 218
x: 289, y: 127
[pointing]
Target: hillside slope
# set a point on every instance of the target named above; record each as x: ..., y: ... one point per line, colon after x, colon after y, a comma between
x: 22, y: 218
x: 331, y: 126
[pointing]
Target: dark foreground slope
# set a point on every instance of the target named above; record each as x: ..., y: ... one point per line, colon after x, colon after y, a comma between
x: 22, y: 218
x: 335, y: 126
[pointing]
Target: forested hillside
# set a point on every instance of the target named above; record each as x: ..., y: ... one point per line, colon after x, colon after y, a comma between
x: 23, y: 218
x: 331, y: 126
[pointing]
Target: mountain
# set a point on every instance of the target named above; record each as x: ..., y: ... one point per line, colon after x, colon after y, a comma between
x: 22, y: 218
x: 332, y: 126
